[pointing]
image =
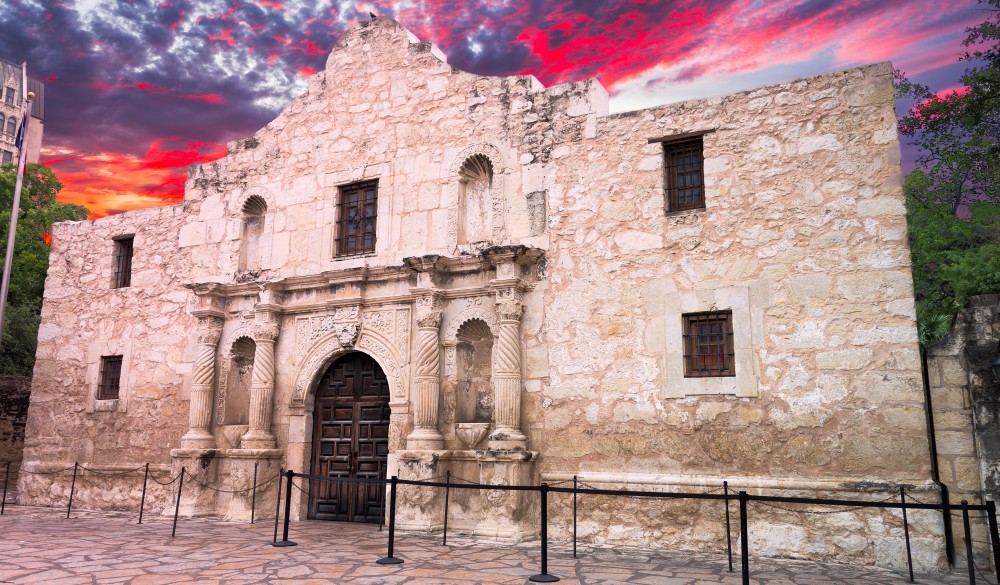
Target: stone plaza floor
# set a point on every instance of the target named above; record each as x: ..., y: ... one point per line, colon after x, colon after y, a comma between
x: 39, y: 545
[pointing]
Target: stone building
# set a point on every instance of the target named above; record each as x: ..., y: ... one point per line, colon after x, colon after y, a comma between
x: 14, y: 87
x: 414, y: 270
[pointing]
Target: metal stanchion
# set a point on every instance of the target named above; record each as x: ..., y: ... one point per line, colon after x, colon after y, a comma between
x: 142, y: 500
x: 253, y: 494
x: 288, y: 511
x: 991, y: 513
x: 906, y: 532
x: 72, y: 488
x: 744, y: 538
x: 277, y: 508
x: 729, y: 531
x: 447, y: 490
x: 389, y: 559
x: 968, y: 542
x: 177, y: 506
x: 949, y: 537
x: 574, y: 516
x: 544, y: 576
x: 6, y: 480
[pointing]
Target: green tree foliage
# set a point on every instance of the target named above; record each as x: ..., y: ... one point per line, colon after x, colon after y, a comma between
x: 38, y: 211
x: 953, y: 197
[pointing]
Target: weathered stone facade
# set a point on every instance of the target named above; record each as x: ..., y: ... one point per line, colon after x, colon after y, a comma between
x: 14, y: 392
x: 524, y: 300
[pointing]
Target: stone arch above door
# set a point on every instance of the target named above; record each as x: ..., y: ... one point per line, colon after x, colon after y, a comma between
x: 330, y: 347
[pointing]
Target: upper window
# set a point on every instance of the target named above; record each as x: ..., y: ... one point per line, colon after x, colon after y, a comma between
x: 110, y: 377
x: 123, y: 262
x: 9, y: 96
x: 683, y: 163
x: 11, y: 126
x: 708, y: 344
x: 356, y: 218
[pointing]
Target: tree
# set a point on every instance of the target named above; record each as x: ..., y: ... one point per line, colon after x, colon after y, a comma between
x: 38, y: 211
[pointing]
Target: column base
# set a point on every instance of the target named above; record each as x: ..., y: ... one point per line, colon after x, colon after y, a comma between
x: 198, y: 439
x: 425, y: 440
x: 256, y: 439
x: 506, y: 439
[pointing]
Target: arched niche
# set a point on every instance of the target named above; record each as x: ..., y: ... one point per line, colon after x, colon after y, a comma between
x: 477, y: 213
x: 236, y: 409
x: 474, y: 358
x: 254, y: 211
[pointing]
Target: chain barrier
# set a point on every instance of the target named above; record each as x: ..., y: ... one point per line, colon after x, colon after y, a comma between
x: 240, y: 491
x: 171, y: 482
x: 112, y: 473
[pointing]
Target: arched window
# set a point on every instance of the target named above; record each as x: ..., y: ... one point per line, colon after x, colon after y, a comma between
x: 11, y: 125
x: 253, y: 226
x: 475, y: 200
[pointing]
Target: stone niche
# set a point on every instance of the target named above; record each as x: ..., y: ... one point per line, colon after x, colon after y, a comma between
x: 474, y: 391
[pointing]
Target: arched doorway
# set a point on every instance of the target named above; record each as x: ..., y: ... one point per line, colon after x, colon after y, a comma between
x: 350, y: 440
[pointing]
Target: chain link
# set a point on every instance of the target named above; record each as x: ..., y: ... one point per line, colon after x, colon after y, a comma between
x: 172, y: 481
x: 239, y: 491
x: 112, y: 473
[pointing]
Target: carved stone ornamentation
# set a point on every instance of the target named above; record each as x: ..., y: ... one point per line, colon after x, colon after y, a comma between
x: 347, y: 334
x: 427, y: 391
x: 208, y: 331
x: 507, y: 372
x: 265, y: 330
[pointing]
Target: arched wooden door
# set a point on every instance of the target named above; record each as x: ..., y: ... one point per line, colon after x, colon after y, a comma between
x: 350, y: 440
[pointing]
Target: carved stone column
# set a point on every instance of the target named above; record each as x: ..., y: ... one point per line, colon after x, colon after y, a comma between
x: 426, y: 394
x: 262, y: 384
x: 507, y: 372
x: 199, y: 435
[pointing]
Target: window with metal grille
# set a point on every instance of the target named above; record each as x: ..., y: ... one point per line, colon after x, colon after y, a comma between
x: 123, y: 262
x: 356, y: 218
x: 110, y: 380
x: 683, y: 163
x: 708, y: 344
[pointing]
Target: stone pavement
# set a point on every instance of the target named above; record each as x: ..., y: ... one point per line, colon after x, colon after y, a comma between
x: 39, y: 545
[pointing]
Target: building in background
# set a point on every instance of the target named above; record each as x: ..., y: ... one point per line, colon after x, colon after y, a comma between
x: 15, y: 85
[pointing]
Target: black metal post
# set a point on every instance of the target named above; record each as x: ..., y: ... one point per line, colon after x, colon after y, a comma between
x: 72, y: 488
x: 574, y: 516
x: 991, y: 513
x: 381, y: 516
x: 177, y: 506
x: 744, y: 538
x: 389, y: 559
x: 949, y: 536
x: 544, y: 576
x: 290, y: 475
x: 142, y: 500
x: 968, y: 542
x: 729, y: 531
x: 447, y: 490
x: 906, y: 532
x: 253, y: 494
x: 277, y: 509
x: 6, y: 479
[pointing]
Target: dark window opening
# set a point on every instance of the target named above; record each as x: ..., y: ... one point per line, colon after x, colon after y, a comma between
x: 684, y: 163
x: 708, y: 345
x: 7, y: 157
x: 110, y: 380
x: 356, y: 218
x: 10, y: 96
x: 12, y: 126
x: 123, y: 262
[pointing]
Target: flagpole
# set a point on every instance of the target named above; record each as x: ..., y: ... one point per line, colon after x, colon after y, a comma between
x: 22, y: 158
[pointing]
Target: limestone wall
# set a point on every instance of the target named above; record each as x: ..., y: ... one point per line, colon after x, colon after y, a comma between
x: 14, y: 391
x: 84, y: 318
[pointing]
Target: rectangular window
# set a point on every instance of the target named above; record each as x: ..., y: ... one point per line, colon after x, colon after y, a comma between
x: 110, y: 380
x: 9, y: 96
x: 123, y: 262
x: 7, y: 156
x: 708, y: 344
x: 683, y: 163
x: 356, y: 218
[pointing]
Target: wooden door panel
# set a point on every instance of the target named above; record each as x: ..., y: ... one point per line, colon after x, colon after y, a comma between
x: 350, y: 440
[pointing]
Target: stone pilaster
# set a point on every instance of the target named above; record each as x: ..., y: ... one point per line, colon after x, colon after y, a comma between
x: 262, y: 385
x: 507, y: 372
x: 426, y: 394
x: 199, y: 435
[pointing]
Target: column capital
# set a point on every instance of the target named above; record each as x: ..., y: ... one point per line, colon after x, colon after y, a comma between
x: 509, y: 303
x: 266, y: 326
x: 209, y: 329
x: 429, y: 309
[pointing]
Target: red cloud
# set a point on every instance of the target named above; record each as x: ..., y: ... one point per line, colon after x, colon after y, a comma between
x: 306, y: 72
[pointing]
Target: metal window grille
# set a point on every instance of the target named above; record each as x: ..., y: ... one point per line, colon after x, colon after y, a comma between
x: 356, y: 218
x: 123, y: 262
x: 111, y: 374
x: 708, y: 345
x: 685, y: 182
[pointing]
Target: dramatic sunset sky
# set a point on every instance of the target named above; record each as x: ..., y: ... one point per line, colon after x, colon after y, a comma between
x: 137, y: 90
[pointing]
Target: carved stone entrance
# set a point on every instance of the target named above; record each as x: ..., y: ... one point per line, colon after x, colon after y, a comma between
x: 350, y: 440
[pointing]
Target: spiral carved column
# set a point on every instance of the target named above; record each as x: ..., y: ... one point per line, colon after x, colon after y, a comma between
x: 262, y: 384
x: 426, y: 395
x: 507, y: 373
x: 199, y: 435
